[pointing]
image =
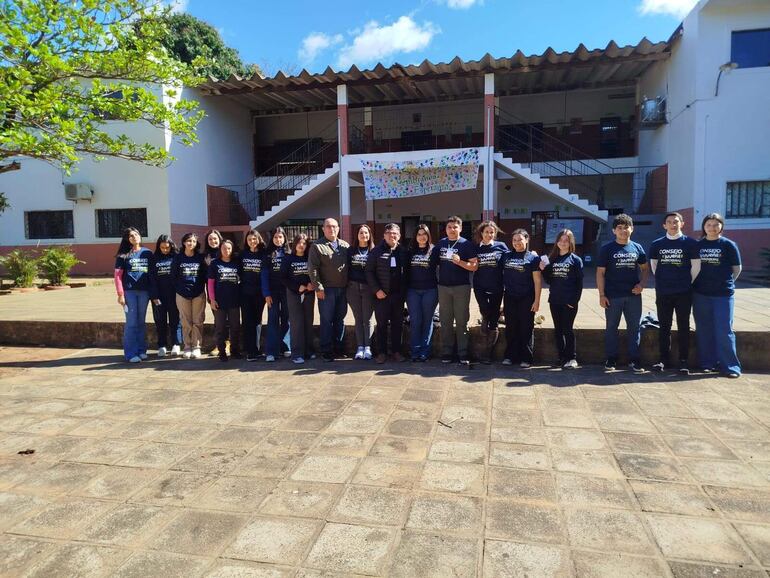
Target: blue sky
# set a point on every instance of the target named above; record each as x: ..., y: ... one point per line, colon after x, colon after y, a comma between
x: 296, y: 34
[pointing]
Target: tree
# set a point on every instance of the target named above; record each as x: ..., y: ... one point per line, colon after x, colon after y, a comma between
x: 67, y: 67
x: 192, y: 40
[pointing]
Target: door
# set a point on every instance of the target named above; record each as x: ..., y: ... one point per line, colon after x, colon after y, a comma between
x: 537, y: 234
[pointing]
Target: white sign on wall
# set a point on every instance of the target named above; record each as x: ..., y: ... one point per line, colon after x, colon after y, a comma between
x: 553, y: 226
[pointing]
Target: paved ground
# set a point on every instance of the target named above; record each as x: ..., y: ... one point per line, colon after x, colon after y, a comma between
x: 98, y: 303
x: 345, y: 469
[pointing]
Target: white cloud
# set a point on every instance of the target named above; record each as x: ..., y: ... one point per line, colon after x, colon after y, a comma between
x: 460, y: 4
x: 315, y: 43
x: 376, y: 42
x: 676, y: 8
x: 179, y: 6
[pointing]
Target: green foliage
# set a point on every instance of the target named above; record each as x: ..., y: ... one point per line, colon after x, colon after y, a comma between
x: 21, y: 266
x: 69, y: 67
x: 197, y: 43
x: 57, y: 262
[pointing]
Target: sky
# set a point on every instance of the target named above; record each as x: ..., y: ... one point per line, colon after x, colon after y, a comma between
x: 294, y: 34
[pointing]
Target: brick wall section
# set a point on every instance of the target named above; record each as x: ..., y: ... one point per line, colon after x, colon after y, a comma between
x: 655, y: 199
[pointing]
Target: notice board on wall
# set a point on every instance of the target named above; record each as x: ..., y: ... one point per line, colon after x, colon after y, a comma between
x: 553, y: 226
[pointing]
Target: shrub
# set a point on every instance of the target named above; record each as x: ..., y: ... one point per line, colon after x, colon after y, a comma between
x: 21, y: 266
x: 57, y: 262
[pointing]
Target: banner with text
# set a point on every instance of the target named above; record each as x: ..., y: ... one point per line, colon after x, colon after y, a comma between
x: 401, y: 179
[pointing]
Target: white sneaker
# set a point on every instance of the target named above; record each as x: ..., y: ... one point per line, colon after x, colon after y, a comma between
x: 525, y: 365
x: 287, y: 354
x: 571, y: 364
x: 187, y: 354
x: 135, y: 359
x: 359, y: 353
x: 162, y: 352
x: 270, y: 358
x: 142, y: 356
x: 298, y: 360
x: 367, y: 352
x: 196, y: 353
x: 176, y: 350
x: 507, y: 362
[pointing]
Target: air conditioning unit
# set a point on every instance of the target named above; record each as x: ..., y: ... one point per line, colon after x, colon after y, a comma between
x: 78, y: 192
x: 653, y: 112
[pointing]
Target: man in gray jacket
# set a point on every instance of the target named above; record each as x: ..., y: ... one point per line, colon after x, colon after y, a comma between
x: 328, y: 270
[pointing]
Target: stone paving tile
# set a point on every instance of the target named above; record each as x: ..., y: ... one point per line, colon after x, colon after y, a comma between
x: 62, y: 519
x: 758, y: 539
x: 77, y: 560
x: 14, y: 507
x: 741, y: 504
x: 199, y: 533
x: 348, y: 548
x: 670, y: 498
x: 128, y: 525
x: 451, y: 451
x: 239, y: 569
x: 612, y: 565
x: 588, y: 462
x: 576, y: 489
x: 433, y: 555
x: 453, y: 477
x: 690, y: 570
x: 274, y: 540
x: 174, y: 488
x: 509, y: 520
x: 325, y: 468
x: 19, y: 554
x: 608, y: 530
x: 143, y: 564
x: 445, y: 513
x: 651, y: 467
x: 531, y: 560
x: 724, y: 473
x: 236, y: 494
x: 519, y: 456
x: 414, y: 450
x: 519, y: 435
x: 371, y: 505
x: 302, y: 499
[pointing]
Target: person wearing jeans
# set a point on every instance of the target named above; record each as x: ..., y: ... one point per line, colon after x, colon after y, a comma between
x: 714, y: 299
x: 134, y: 283
x: 457, y: 259
x: 275, y: 294
x: 359, y: 296
x: 621, y: 273
x: 421, y: 293
x: 328, y: 271
x: 675, y: 263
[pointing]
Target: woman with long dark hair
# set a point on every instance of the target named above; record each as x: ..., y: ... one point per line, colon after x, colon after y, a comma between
x: 134, y: 283
x: 359, y: 296
x: 189, y: 273
x: 522, y: 282
x: 714, y: 298
x: 213, y: 243
x: 164, y: 310
x: 563, y: 270
x: 252, y: 300
x: 275, y: 294
x: 223, y: 280
x: 488, y: 284
x: 421, y: 292
x: 300, y: 298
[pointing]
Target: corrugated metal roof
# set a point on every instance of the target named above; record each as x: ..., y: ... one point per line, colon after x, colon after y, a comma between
x: 520, y: 74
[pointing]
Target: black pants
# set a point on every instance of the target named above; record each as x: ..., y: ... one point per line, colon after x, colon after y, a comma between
x: 389, y: 312
x: 252, y: 307
x: 166, y: 316
x: 681, y: 303
x: 489, y: 307
x: 563, y: 320
x: 227, y: 322
x: 519, y: 328
x: 301, y: 311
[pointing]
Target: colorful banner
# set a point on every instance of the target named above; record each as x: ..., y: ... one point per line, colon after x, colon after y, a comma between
x: 397, y: 180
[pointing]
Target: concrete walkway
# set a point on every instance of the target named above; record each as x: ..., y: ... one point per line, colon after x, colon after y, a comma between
x: 191, y: 469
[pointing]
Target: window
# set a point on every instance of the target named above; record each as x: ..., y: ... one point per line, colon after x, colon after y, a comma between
x: 751, y: 48
x: 48, y: 225
x: 112, y: 222
x: 748, y: 199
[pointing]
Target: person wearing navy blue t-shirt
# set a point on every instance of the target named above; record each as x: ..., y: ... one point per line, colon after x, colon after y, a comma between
x: 621, y: 273
x: 134, y: 283
x: 523, y: 282
x: 252, y: 300
x: 422, y: 292
x: 224, y: 296
x: 714, y: 298
x: 300, y: 298
x: 457, y: 260
x: 275, y: 295
x: 488, y: 285
x: 164, y: 310
x: 359, y: 296
x: 189, y: 274
x: 563, y: 271
x: 674, y: 262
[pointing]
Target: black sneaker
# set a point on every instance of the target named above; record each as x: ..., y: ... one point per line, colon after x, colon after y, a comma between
x: 683, y: 368
x: 636, y: 367
x: 610, y: 364
x: 251, y: 357
x: 328, y: 357
x: 446, y: 359
x: 465, y: 361
x: 660, y: 367
x: 222, y: 355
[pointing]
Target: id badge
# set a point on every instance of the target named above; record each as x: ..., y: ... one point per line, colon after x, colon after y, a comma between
x: 450, y: 253
x: 392, y: 261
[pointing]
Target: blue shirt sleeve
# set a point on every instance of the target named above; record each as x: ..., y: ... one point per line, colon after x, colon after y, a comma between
x: 735, y: 255
x: 642, y: 255
x: 601, y: 259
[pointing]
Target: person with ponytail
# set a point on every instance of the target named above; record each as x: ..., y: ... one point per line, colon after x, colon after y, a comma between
x: 275, y: 294
x: 134, y: 283
x: 252, y: 300
x: 164, y: 310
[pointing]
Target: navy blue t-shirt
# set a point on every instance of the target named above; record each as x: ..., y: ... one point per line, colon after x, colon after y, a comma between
x: 450, y: 274
x: 136, y: 268
x: 251, y: 270
x: 674, y: 256
x: 189, y: 274
x: 357, y: 259
x: 422, y: 265
x: 164, y: 283
x: 489, y: 276
x: 622, y: 267
x: 717, y: 259
x: 226, y: 278
x: 271, y: 273
x: 294, y: 271
x: 517, y: 268
x: 565, y: 279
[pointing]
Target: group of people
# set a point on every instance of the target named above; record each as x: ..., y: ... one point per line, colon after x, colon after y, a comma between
x: 377, y: 278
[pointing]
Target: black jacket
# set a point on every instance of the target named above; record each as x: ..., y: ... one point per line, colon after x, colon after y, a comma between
x: 379, y: 272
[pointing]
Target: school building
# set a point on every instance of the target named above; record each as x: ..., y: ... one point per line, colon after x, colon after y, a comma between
x: 542, y: 142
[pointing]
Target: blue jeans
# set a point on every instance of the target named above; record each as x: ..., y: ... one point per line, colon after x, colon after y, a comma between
x: 421, y: 304
x: 332, y: 309
x: 134, y: 332
x: 630, y: 307
x: 714, y: 332
x: 277, y: 323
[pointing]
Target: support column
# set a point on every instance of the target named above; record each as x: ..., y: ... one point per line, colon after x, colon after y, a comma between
x: 489, y: 197
x: 490, y: 205
x: 342, y: 139
x: 489, y: 110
